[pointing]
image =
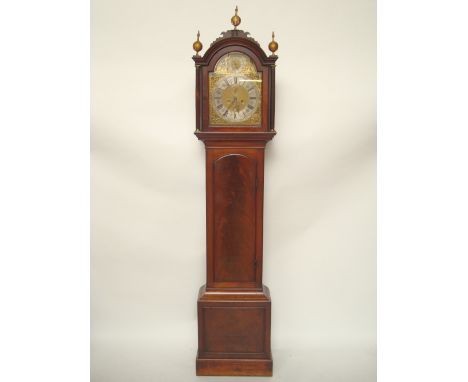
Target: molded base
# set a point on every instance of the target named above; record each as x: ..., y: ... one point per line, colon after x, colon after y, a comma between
x: 235, y: 367
x: 234, y: 332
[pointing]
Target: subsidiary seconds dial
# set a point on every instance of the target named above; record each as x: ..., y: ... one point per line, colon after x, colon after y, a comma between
x: 235, y: 98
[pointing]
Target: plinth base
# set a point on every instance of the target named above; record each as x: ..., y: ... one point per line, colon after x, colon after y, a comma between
x: 235, y: 367
x: 234, y: 332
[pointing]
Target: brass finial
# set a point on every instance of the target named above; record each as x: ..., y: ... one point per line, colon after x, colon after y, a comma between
x: 235, y: 20
x: 273, y: 45
x: 197, y: 45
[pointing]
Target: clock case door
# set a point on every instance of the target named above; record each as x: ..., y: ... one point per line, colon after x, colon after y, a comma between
x: 234, y: 217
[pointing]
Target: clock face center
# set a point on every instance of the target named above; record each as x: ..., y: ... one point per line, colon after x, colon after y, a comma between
x: 235, y: 98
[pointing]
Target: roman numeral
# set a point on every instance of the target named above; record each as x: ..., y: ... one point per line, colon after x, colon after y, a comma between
x: 219, y: 106
x: 253, y: 97
x: 250, y: 107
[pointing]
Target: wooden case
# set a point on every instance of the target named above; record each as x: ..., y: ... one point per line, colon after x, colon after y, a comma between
x: 234, y: 307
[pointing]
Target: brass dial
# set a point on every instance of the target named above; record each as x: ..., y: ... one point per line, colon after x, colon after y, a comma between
x: 235, y: 91
x: 235, y: 98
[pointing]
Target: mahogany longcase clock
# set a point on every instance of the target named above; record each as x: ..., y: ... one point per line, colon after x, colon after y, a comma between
x: 235, y: 95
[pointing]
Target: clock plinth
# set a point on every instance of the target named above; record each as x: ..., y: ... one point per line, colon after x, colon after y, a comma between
x: 234, y: 333
x: 235, y: 120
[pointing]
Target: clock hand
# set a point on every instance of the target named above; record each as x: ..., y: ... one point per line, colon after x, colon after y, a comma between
x: 238, y: 105
x: 233, y: 103
x: 229, y: 106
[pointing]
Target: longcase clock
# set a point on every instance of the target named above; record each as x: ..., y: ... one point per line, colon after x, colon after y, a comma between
x: 235, y: 95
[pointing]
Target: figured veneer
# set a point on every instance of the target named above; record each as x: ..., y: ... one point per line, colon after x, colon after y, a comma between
x: 234, y: 307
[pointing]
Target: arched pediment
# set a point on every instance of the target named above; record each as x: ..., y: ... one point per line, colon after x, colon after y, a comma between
x: 231, y: 38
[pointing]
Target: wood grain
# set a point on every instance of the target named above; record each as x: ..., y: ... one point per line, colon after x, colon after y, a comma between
x: 234, y: 307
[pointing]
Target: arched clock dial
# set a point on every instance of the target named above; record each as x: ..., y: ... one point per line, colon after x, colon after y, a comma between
x: 235, y: 98
x: 235, y: 92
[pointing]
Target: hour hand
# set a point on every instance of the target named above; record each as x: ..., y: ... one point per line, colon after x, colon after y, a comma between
x: 235, y: 104
x: 232, y: 103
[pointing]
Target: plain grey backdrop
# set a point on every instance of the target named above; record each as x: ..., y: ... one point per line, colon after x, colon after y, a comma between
x: 148, y: 190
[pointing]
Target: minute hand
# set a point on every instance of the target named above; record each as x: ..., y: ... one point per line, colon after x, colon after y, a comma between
x: 233, y: 104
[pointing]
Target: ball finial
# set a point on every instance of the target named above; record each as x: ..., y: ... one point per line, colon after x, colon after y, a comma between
x: 273, y: 45
x: 197, y: 45
x: 235, y: 20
